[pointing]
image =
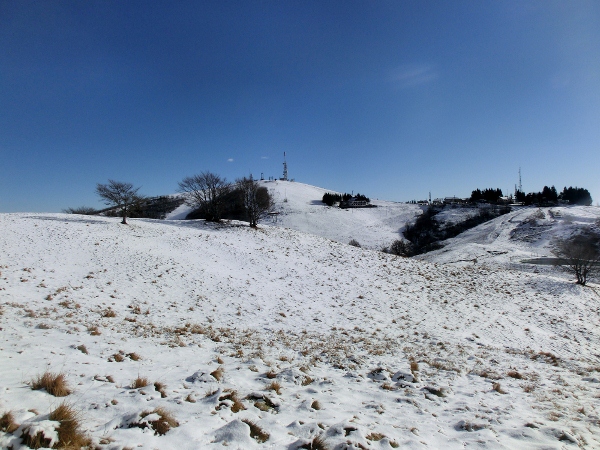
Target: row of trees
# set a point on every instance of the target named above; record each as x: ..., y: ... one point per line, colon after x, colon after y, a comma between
x: 329, y: 198
x: 211, y: 196
x: 550, y: 196
x: 489, y: 195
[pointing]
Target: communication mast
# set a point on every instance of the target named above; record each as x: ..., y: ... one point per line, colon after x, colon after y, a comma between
x: 285, y: 173
x: 520, y: 185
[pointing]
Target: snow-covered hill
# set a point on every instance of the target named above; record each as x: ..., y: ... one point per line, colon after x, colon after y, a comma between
x: 300, y: 208
x: 509, y: 239
x: 299, y: 335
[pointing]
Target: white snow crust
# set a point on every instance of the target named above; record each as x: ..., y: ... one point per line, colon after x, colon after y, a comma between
x: 367, y: 350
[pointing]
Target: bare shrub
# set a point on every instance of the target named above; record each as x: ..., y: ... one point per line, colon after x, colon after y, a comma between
x: 354, y: 243
x: 256, y: 432
x: 54, y: 383
x: 579, y: 254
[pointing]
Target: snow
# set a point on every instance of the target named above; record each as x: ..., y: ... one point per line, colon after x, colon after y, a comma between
x: 366, y: 349
x: 299, y: 207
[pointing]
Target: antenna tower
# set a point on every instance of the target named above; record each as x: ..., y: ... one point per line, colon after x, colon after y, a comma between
x: 285, y: 174
x: 520, y: 185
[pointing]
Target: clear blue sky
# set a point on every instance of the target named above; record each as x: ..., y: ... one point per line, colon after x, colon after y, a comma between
x: 389, y: 98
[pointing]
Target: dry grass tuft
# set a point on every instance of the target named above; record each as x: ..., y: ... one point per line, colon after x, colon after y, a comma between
x: 218, y: 374
x: 375, y: 436
x: 514, y: 374
x: 190, y: 398
x: 70, y: 436
x: 315, y: 405
x: 256, y: 432
x: 54, y: 384
x: 134, y: 356
x: 7, y: 422
x: 161, y: 387
x: 318, y: 443
x: 94, y: 331
x: 82, y: 349
x: 274, y: 386
x: 109, y: 313
x: 162, y: 425
x: 496, y: 387
x: 139, y: 382
x: 271, y: 374
x: 117, y: 357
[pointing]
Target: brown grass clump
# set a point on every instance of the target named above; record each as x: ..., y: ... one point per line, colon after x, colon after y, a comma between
x: 82, y: 349
x: 218, y: 374
x: 109, y: 312
x: 139, y: 382
x: 7, y: 422
x: 318, y: 443
x: 117, y: 357
x: 375, y: 436
x: 54, y: 384
x: 315, y: 405
x: 134, y: 356
x: 232, y: 396
x: 256, y: 432
x: 514, y: 374
x: 94, y: 331
x: 496, y: 387
x: 271, y: 374
x: 274, y: 386
x: 414, y: 369
x: 162, y: 425
x: 190, y: 398
x: 161, y: 387
x: 70, y: 436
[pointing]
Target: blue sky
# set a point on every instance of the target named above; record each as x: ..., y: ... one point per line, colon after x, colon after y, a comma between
x: 393, y: 99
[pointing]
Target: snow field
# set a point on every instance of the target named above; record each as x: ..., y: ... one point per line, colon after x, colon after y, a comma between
x: 366, y: 350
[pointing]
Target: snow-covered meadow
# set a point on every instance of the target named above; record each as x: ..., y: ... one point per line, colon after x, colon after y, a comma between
x: 240, y: 331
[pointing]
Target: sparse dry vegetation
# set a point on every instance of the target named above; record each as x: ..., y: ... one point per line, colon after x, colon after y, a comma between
x: 139, y: 382
x: 70, y: 435
x: 7, y: 422
x: 54, y: 383
x: 256, y: 432
x: 161, y: 425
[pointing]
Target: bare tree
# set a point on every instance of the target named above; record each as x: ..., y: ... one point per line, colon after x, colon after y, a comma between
x: 120, y: 195
x: 579, y: 254
x: 206, y: 191
x: 256, y: 199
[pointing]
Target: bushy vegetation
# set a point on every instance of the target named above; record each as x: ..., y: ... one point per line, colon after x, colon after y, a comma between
x: 329, y: 198
x: 489, y: 195
x: 549, y: 196
x: 426, y: 233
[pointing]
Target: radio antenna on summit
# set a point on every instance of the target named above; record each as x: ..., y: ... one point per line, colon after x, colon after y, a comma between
x: 285, y: 174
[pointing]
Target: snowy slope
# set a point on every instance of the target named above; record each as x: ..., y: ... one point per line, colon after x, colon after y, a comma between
x: 301, y: 209
x: 509, y: 239
x: 500, y: 359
